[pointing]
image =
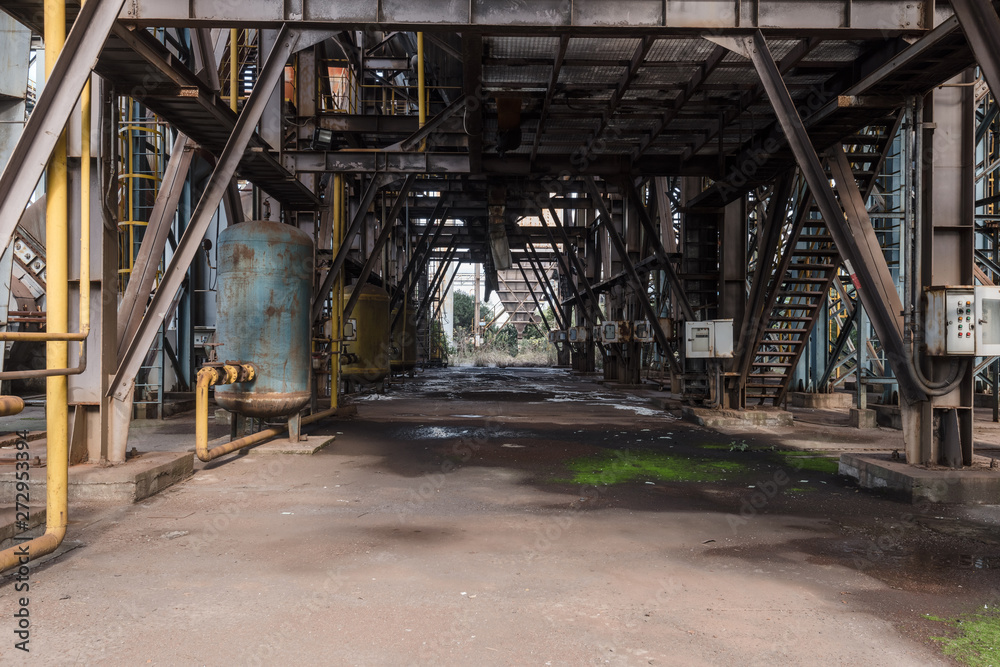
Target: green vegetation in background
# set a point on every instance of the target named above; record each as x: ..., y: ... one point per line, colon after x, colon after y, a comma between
x: 978, y: 642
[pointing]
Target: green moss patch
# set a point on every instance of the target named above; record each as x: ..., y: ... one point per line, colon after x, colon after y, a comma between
x: 977, y: 640
x: 808, y: 461
x: 619, y: 467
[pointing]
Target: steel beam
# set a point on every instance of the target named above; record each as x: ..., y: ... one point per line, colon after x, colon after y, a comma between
x: 383, y: 236
x: 594, y: 313
x: 420, y: 252
x: 362, y: 161
x: 982, y: 28
x: 538, y: 304
x: 546, y: 284
x: 345, y: 247
x: 677, y: 289
x: 433, y: 126
x: 270, y: 74
x: 642, y: 290
x: 154, y: 241
x: 853, y: 235
x: 838, y: 349
x: 447, y: 288
x: 549, y: 93
x: 52, y: 110
x: 851, y: 19
x: 769, y: 239
x: 433, y: 286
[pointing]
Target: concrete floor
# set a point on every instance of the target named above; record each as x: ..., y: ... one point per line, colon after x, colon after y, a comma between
x: 442, y: 527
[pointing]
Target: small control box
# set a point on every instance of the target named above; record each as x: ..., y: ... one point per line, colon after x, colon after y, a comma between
x: 578, y: 334
x: 708, y: 340
x: 950, y: 320
x: 642, y: 331
x: 610, y: 332
x: 557, y: 336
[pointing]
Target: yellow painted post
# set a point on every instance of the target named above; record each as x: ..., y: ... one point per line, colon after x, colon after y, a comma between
x: 57, y: 291
x: 234, y: 68
x: 421, y: 87
x: 85, y: 139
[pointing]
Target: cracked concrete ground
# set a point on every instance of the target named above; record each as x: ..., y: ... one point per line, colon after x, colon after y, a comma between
x: 456, y: 521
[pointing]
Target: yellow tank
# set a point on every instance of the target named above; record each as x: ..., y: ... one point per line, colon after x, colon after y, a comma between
x: 366, y: 358
x: 403, y: 356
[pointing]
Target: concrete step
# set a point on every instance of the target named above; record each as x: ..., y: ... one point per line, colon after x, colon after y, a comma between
x: 134, y: 480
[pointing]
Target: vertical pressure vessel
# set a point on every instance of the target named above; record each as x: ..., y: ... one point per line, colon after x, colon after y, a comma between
x: 369, y: 353
x: 404, y: 340
x: 264, y: 292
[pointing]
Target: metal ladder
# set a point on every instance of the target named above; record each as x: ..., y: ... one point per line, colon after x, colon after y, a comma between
x: 805, y: 274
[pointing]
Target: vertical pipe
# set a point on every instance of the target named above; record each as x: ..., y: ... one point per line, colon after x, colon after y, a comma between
x: 421, y: 87
x: 336, y: 326
x: 234, y: 68
x: 57, y: 289
x: 861, y: 353
x: 85, y: 140
x: 475, y: 308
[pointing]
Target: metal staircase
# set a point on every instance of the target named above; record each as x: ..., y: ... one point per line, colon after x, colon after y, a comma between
x: 805, y: 273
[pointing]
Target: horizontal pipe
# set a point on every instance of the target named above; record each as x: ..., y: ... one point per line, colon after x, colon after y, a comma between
x: 206, y: 454
x: 11, y: 405
x: 49, y: 372
x: 44, y: 544
x: 44, y: 336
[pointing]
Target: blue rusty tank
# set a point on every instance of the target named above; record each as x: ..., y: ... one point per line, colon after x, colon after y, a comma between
x: 264, y: 292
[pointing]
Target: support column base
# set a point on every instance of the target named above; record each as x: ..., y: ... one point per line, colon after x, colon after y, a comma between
x: 864, y: 418
x: 978, y: 485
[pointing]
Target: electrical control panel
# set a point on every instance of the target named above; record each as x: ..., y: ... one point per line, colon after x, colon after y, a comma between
x: 642, y: 331
x: 609, y: 332
x: 950, y: 319
x: 578, y: 334
x: 350, y: 330
x: 987, y: 319
x: 557, y: 336
x: 708, y: 340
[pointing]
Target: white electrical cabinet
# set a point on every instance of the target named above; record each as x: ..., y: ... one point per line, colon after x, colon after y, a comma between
x: 987, y: 331
x: 950, y: 317
x: 578, y: 334
x: 708, y: 340
x: 609, y: 332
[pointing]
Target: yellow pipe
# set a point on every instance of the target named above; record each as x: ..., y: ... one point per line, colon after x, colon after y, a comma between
x: 85, y: 102
x: 85, y: 141
x: 11, y: 405
x: 229, y: 374
x: 47, y: 336
x: 207, y: 377
x: 234, y: 68
x: 57, y: 307
x: 421, y: 87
